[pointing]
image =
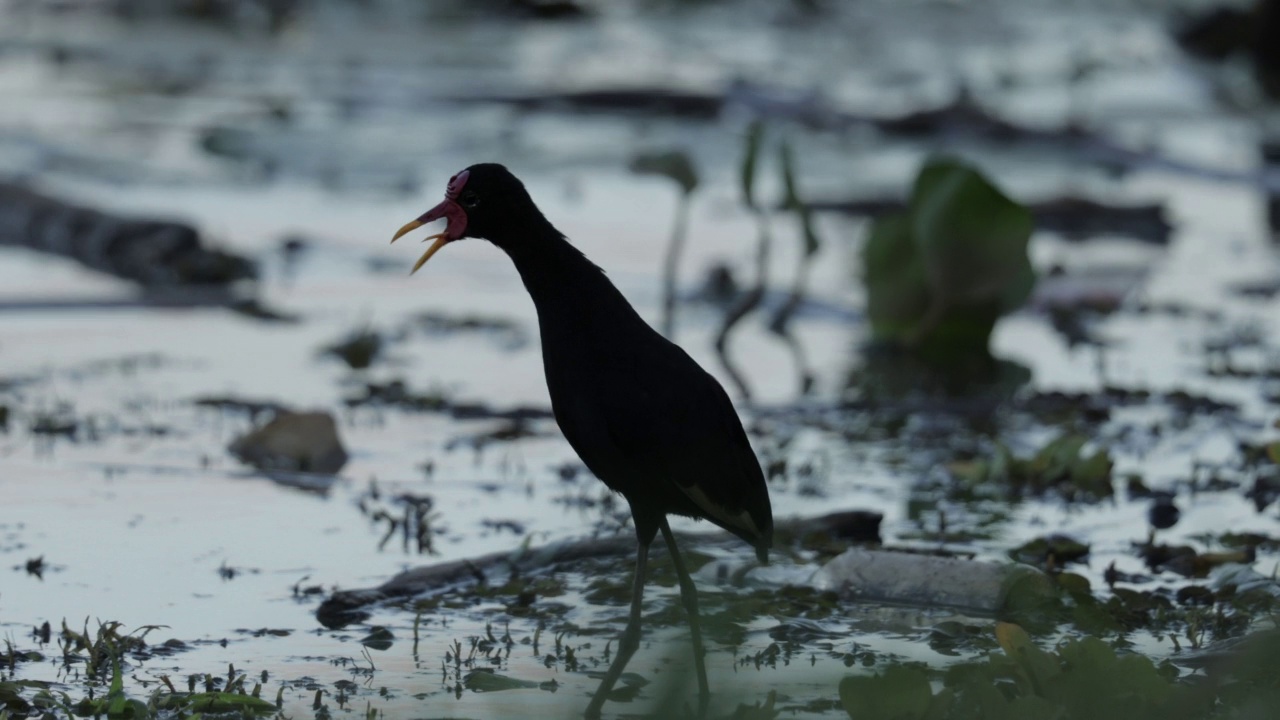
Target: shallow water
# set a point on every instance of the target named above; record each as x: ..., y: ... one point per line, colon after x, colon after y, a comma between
x: 337, y: 132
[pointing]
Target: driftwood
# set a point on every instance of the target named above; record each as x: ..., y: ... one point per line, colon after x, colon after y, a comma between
x: 343, y: 606
x: 165, y: 257
x: 1075, y: 218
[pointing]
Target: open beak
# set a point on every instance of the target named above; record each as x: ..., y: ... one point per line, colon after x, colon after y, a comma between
x: 455, y: 225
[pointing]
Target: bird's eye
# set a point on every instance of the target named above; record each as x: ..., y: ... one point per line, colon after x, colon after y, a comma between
x: 469, y: 200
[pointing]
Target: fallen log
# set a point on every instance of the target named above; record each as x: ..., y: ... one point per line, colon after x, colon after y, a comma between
x: 159, y: 255
x: 860, y: 573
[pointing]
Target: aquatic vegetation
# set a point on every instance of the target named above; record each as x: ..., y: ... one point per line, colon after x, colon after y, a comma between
x: 1081, y: 679
x: 940, y: 274
x: 358, y: 350
x: 679, y: 168
x: 1062, y: 466
x: 750, y: 298
x: 780, y: 323
x: 103, y: 656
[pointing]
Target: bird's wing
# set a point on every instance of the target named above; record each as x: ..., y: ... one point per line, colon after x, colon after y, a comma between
x: 675, y: 423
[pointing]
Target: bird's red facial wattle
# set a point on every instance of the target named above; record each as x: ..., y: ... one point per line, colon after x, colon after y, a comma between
x: 455, y: 223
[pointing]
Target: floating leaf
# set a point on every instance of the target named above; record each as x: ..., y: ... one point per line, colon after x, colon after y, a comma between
x: 484, y: 681
x: 379, y: 638
x: 217, y: 702
x: 1038, y: 667
x: 897, y: 289
x: 901, y: 693
x: 1058, y: 466
x: 1051, y: 550
x: 1093, y: 474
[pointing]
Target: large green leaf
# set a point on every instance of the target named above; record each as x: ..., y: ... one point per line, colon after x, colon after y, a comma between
x: 971, y: 237
x: 897, y: 290
x: 940, y: 275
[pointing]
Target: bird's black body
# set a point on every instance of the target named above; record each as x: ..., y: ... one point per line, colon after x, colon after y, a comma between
x: 643, y: 416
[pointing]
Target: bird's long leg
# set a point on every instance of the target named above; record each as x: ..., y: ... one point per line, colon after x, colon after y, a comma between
x: 630, y: 637
x: 689, y: 594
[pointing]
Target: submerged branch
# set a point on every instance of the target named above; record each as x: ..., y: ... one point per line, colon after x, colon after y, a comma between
x: 854, y: 526
x: 670, y: 264
x: 163, y: 256
x: 743, y: 307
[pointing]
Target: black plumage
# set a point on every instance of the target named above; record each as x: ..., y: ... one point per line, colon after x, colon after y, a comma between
x: 645, y: 418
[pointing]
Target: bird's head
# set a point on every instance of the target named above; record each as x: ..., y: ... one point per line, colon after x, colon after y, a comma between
x: 484, y: 201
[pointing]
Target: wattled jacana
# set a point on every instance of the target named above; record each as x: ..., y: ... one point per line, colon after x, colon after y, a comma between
x: 643, y: 416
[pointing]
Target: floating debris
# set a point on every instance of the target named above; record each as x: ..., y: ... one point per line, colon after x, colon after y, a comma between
x: 358, y: 350
x: 927, y: 580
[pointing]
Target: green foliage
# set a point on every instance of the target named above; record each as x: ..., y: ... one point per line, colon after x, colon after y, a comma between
x: 102, y: 654
x: 940, y: 274
x: 1081, y: 679
x: 679, y: 167
x: 486, y: 681
x: 750, y: 158
x: 358, y: 350
x: 1051, y: 551
x: 1061, y: 466
x: 791, y: 200
x: 901, y: 692
x: 216, y: 702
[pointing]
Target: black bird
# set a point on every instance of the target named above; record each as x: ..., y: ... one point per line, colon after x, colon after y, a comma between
x: 643, y: 416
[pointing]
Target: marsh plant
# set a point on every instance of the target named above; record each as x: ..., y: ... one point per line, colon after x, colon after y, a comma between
x: 677, y: 166
x: 941, y: 273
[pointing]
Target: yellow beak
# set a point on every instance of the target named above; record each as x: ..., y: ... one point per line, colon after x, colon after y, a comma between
x: 440, y: 242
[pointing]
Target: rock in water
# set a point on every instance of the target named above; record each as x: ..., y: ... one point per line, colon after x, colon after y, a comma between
x: 292, y: 441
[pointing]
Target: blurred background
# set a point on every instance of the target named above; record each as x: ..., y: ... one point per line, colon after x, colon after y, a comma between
x: 1000, y: 275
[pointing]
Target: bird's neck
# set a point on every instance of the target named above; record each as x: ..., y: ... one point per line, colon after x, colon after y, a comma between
x: 549, y: 265
x: 564, y: 284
